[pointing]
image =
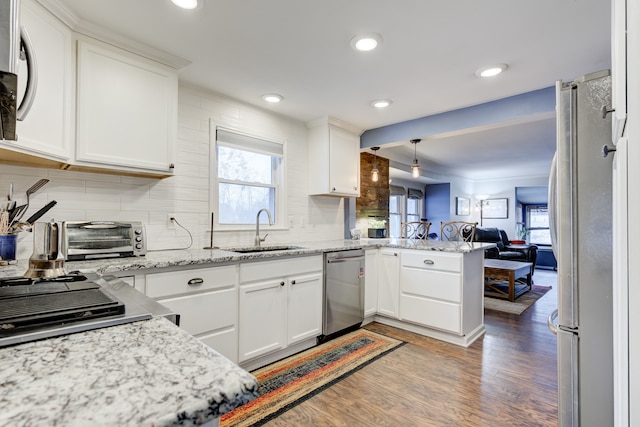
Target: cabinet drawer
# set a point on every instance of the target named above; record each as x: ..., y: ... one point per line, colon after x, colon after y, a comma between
x: 250, y: 272
x: 432, y: 260
x: 205, y: 312
x: 434, y: 314
x: 187, y: 281
x: 431, y: 284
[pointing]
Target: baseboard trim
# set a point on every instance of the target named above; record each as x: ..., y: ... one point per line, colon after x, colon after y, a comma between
x: 461, y: 340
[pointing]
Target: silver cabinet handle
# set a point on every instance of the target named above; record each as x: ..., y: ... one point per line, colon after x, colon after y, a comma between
x: 551, y: 322
x: 429, y: 262
x: 195, y: 281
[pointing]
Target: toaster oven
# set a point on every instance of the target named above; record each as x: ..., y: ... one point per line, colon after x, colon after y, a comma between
x: 83, y: 240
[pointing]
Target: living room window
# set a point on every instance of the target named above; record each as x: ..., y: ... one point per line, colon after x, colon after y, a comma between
x: 415, y: 201
x: 404, y: 206
x: 396, y: 202
x: 249, y: 176
x: 538, y: 225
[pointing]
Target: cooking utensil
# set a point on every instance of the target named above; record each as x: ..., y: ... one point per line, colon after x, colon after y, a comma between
x: 18, y: 210
x: 36, y: 216
x: 35, y: 187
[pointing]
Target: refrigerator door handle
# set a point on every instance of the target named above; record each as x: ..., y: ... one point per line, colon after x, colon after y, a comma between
x: 553, y: 209
x: 552, y: 322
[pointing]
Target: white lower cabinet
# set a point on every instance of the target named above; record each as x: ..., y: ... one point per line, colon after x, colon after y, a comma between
x: 388, y: 282
x: 262, y: 317
x: 206, y: 300
x: 370, y: 282
x: 442, y: 290
x: 280, y: 304
x: 304, y: 308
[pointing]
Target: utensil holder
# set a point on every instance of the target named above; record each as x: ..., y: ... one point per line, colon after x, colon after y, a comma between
x: 8, y: 244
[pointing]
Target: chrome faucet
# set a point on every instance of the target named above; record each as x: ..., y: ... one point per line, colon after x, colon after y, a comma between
x: 259, y: 239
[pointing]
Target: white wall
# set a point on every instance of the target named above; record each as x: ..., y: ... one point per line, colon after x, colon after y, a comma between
x: 91, y: 196
x: 498, y: 189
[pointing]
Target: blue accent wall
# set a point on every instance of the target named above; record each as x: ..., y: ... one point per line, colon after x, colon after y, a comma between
x: 515, y: 107
x: 437, y: 200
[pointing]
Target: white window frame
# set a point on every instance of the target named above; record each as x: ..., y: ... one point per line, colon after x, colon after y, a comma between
x: 404, y: 201
x: 280, y: 185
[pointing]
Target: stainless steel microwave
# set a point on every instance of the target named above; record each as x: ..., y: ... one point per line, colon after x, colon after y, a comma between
x: 15, y: 45
x: 83, y: 240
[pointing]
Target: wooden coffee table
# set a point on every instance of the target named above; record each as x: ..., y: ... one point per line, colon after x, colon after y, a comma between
x: 500, y: 271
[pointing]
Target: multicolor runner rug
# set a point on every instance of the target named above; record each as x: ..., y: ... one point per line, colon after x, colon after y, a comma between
x: 293, y: 380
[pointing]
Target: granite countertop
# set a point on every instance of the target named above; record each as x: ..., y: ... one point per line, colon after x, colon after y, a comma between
x: 203, y: 257
x: 146, y: 373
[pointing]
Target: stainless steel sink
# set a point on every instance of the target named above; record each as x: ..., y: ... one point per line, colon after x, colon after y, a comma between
x: 258, y: 249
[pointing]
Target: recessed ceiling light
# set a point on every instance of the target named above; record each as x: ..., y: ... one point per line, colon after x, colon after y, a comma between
x: 381, y: 103
x: 366, y: 42
x: 272, y: 98
x: 491, y: 71
x: 186, y: 4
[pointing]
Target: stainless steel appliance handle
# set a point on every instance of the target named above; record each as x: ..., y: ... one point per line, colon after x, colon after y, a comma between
x: 346, y: 259
x: 32, y: 76
x: 551, y: 322
x: 553, y: 204
x: 100, y: 224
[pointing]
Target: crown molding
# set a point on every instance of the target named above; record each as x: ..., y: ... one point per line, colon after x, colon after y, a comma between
x: 89, y: 29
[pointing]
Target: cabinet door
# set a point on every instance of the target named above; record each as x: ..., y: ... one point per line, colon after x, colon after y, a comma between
x: 47, y: 131
x: 388, y: 282
x: 126, y: 110
x: 370, y: 282
x: 305, y: 307
x: 344, y: 162
x: 262, y: 318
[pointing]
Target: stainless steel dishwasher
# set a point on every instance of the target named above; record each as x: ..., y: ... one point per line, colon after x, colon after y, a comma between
x: 343, y: 292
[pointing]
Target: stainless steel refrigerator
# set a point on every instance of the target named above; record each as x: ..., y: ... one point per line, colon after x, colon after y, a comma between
x: 580, y: 206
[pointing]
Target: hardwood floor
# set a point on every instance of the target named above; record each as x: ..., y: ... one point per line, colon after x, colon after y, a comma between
x: 507, y: 378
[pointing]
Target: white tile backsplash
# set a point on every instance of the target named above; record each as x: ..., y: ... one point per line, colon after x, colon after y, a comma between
x: 91, y: 196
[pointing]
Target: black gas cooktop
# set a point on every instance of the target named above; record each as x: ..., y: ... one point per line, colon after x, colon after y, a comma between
x: 30, y: 305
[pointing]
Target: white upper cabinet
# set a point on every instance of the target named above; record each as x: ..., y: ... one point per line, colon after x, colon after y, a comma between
x: 334, y: 159
x: 47, y: 131
x: 619, y: 68
x: 126, y: 116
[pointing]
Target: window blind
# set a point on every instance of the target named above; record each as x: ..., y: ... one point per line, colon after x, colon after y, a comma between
x: 415, y: 194
x: 397, y: 190
x: 248, y: 143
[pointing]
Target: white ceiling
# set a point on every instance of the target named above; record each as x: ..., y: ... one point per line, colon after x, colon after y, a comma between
x: 426, y: 64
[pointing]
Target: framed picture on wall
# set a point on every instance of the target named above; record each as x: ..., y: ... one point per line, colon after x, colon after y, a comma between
x: 495, y: 208
x: 463, y: 206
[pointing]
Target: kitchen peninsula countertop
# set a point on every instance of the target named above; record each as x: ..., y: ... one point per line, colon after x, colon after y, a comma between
x: 202, y: 257
x: 145, y: 373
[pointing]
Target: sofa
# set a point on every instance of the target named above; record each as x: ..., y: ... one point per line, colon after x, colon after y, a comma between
x: 504, y: 249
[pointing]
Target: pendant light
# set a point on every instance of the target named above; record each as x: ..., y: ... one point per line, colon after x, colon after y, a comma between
x: 415, y: 167
x: 374, y: 172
